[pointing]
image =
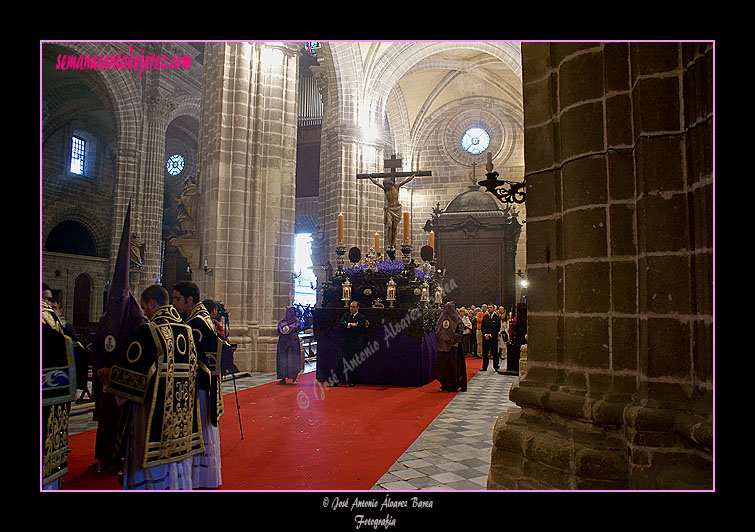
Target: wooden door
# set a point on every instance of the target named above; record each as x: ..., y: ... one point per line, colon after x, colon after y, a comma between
x: 473, y: 272
x: 82, y: 291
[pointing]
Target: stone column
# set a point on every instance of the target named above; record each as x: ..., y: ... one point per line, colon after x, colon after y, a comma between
x: 140, y: 164
x: 247, y: 166
x: 147, y: 210
x: 344, y: 153
x: 360, y: 201
x: 126, y: 164
x: 618, y: 390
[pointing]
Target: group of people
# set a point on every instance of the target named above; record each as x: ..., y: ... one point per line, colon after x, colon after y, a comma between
x: 480, y: 332
x: 166, y: 381
x: 166, y: 384
x: 486, y: 333
x: 476, y: 331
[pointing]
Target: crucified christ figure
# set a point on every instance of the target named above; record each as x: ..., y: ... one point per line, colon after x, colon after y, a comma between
x: 392, y: 208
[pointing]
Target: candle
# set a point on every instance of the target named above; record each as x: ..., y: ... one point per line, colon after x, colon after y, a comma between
x: 406, y: 227
x: 377, y: 243
x: 432, y: 241
x: 340, y: 228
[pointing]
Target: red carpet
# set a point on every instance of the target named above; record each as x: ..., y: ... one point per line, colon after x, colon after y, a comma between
x: 303, y: 436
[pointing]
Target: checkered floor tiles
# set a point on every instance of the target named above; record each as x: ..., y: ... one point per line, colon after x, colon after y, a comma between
x: 453, y: 453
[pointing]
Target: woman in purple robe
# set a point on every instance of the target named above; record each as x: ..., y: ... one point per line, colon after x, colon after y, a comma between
x: 451, y: 370
x: 289, y: 353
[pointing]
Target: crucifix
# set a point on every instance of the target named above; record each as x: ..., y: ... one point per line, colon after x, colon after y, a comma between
x: 472, y: 175
x: 392, y: 208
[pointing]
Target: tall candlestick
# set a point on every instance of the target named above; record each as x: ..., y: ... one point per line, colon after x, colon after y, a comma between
x: 340, y: 228
x: 406, y: 227
x: 377, y: 243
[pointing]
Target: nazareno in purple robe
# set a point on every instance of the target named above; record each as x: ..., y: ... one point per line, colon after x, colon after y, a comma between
x: 289, y: 353
x: 450, y: 370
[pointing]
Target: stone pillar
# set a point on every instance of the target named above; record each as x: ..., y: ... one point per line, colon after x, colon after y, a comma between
x: 127, y: 161
x: 246, y: 181
x: 360, y: 201
x: 344, y: 153
x: 618, y: 390
x: 147, y: 210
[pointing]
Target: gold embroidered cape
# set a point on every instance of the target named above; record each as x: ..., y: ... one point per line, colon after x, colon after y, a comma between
x: 209, y: 345
x: 159, y: 369
x: 58, y: 390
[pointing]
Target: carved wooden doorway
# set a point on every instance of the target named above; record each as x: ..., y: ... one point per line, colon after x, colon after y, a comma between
x: 476, y: 241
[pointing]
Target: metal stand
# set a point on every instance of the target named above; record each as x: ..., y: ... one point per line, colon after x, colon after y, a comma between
x: 233, y: 374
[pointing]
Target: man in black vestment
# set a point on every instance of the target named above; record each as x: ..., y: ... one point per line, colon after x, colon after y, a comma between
x: 353, y: 323
x: 206, y: 469
x: 491, y: 325
x: 157, y: 376
x: 58, y: 390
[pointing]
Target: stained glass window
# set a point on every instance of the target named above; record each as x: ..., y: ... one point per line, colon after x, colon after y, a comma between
x: 78, y: 148
x: 175, y: 164
x: 475, y: 140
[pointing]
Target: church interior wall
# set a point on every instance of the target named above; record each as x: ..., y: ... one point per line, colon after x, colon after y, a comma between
x: 67, y: 196
x: 611, y: 314
x: 595, y: 269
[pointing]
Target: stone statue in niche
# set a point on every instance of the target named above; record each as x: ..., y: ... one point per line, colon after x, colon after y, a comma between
x: 187, y: 209
x: 137, y: 248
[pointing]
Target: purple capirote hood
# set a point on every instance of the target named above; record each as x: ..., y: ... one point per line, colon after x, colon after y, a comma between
x: 123, y: 315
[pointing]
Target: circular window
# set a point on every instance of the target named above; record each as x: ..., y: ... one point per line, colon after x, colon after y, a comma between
x: 475, y: 140
x: 175, y: 164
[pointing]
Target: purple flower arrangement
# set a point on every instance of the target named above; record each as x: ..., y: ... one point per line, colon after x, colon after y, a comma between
x: 390, y: 267
x: 421, y: 275
x: 355, y: 270
x: 385, y: 267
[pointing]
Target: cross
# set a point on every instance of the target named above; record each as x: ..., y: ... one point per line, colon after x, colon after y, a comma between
x: 392, y: 208
x: 393, y: 163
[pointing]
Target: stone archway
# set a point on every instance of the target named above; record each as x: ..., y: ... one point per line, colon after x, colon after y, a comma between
x: 72, y: 237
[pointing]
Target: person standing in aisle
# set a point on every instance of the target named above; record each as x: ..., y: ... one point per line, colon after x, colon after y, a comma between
x: 466, y: 338
x: 353, y: 323
x: 489, y: 328
x: 206, y: 466
x: 289, y: 360
x: 481, y: 312
x: 157, y: 374
x: 451, y: 369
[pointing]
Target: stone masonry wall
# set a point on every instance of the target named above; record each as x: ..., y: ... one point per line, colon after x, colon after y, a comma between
x: 246, y: 185
x: 618, y: 393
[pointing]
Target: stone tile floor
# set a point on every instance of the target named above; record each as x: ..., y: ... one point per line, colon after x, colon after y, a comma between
x: 453, y: 453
